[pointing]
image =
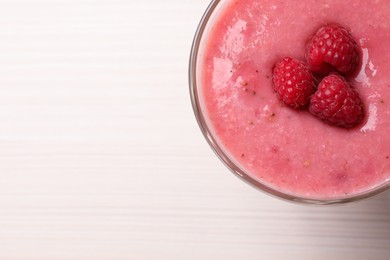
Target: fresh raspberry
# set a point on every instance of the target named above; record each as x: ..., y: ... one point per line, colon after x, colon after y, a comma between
x: 332, y: 47
x: 293, y: 82
x: 336, y: 102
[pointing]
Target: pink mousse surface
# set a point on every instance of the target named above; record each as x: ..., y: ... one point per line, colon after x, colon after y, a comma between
x: 289, y: 150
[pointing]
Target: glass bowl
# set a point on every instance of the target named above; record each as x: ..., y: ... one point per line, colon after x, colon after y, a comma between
x: 195, y: 89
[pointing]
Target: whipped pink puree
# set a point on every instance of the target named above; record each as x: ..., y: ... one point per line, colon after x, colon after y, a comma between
x: 293, y: 151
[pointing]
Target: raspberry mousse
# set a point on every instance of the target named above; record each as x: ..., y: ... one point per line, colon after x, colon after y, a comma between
x: 272, y: 133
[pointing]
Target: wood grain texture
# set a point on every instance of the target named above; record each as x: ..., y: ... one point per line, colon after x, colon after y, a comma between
x: 101, y: 157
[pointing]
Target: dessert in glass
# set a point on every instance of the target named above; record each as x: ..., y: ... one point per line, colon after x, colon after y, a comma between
x: 286, y: 151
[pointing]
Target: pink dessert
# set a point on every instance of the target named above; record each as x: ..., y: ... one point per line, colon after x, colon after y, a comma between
x: 288, y: 150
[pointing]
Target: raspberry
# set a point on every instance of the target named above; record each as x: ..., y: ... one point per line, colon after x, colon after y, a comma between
x: 293, y: 82
x: 332, y: 47
x: 336, y: 102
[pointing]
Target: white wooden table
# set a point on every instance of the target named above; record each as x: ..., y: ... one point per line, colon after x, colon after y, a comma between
x: 101, y: 156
